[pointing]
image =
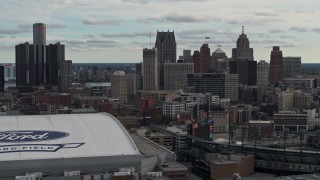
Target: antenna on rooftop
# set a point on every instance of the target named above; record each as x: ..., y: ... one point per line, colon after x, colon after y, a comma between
x: 242, y: 29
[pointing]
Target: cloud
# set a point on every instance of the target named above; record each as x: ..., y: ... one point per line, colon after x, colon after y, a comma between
x: 252, y: 21
x: 299, y: 29
x: 12, y: 31
x: 90, y: 21
x: 88, y: 36
x: 96, y: 41
x: 144, y: 34
x: 136, y: 1
x: 287, y: 37
x: 56, y: 26
x: 176, y: 18
x: 317, y: 30
x: 269, y: 14
x: 276, y: 31
x: 118, y: 35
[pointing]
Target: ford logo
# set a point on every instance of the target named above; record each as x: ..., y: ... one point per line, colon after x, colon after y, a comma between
x: 30, y: 136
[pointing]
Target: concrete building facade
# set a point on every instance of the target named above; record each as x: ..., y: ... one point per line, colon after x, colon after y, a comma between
x: 166, y: 51
x: 175, y: 75
x: 119, y: 86
x: 262, y: 73
x: 291, y: 67
x: 150, y: 70
x: 223, y: 85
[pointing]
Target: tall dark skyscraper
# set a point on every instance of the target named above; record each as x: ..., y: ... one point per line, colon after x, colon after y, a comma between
x: 55, y: 58
x: 1, y: 78
x: 242, y: 62
x: 276, y: 65
x: 41, y: 64
x: 167, y: 51
x: 25, y: 65
x: 39, y: 43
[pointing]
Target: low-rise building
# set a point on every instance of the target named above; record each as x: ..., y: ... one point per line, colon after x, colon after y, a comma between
x: 290, y: 120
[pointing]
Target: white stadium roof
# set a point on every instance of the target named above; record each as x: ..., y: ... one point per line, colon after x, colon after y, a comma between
x: 57, y: 140
x: 101, y: 135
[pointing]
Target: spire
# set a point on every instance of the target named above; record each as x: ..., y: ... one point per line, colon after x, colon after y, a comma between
x: 242, y: 29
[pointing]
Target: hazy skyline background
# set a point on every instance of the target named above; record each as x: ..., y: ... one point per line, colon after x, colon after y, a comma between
x: 117, y: 30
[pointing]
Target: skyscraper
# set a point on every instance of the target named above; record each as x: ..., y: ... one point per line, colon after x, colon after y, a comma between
x: 202, y: 59
x: 262, y: 73
x: 291, y: 67
x: 242, y: 62
x: 25, y: 67
x: 166, y: 49
x: 216, y: 55
x: 196, y: 61
x: 243, y: 50
x: 119, y: 86
x: 205, y: 57
x: 66, y: 76
x: 55, y: 59
x: 39, y: 43
x: 175, y: 75
x: 276, y: 65
x: 150, y: 70
x: 1, y: 78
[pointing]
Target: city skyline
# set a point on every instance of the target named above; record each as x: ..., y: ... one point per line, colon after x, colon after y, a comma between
x: 100, y: 31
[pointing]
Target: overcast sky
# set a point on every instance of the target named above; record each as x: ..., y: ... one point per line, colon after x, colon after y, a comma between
x: 117, y: 30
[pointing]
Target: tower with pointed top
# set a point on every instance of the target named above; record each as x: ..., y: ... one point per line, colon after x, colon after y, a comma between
x: 167, y: 51
x: 243, y: 50
x: 242, y: 62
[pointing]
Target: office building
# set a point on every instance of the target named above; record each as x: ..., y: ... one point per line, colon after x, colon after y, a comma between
x: 285, y: 101
x: 302, y: 100
x: 25, y: 66
x: 9, y: 71
x: 243, y: 50
x: 202, y: 59
x: 119, y: 86
x: 247, y: 71
x: 290, y: 120
x: 276, y: 65
x: 217, y: 55
x: 175, y: 75
x: 150, y: 70
x: 242, y: 62
x: 66, y: 78
x: 55, y: 58
x: 166, y: 51
x: 291, y: 67
x: 262, y: 73
x: 186, y: 57
x: 301, y: 82
x: 1, y: 78
x: 222, y: 85
x: 39, y: 51
x: 205, y: 57
x: 40, y: 64
x: 196, y: 61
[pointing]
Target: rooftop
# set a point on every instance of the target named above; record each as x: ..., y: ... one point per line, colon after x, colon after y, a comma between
x: 63, y: 136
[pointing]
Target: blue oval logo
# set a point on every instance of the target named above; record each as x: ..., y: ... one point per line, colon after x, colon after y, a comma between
x: 30, y: 136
